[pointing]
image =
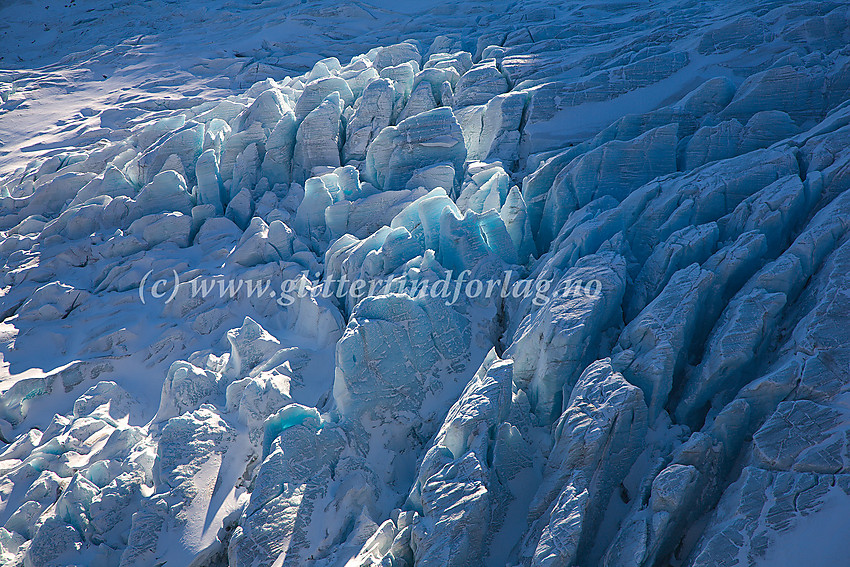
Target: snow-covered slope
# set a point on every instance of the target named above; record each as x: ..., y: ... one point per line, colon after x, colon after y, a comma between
x: 666, y: 183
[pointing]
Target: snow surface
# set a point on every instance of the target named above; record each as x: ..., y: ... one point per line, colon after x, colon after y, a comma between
x: 689, y: 158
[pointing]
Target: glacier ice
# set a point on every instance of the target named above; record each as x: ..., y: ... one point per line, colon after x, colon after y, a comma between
x: 425, y: 139
x: 662, y: 382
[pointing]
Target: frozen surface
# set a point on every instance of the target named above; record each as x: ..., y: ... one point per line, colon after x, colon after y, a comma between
x: 669, y: 182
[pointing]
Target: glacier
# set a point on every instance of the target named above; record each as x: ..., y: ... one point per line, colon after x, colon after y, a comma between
x: 238, y: 316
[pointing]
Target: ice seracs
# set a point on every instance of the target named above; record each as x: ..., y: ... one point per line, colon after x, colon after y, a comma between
x: 661, y: 380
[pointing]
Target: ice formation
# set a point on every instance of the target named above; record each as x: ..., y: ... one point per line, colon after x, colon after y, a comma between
x: 690, y: 160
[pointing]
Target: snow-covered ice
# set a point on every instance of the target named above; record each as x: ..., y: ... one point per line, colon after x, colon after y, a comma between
x: 665, y: 185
